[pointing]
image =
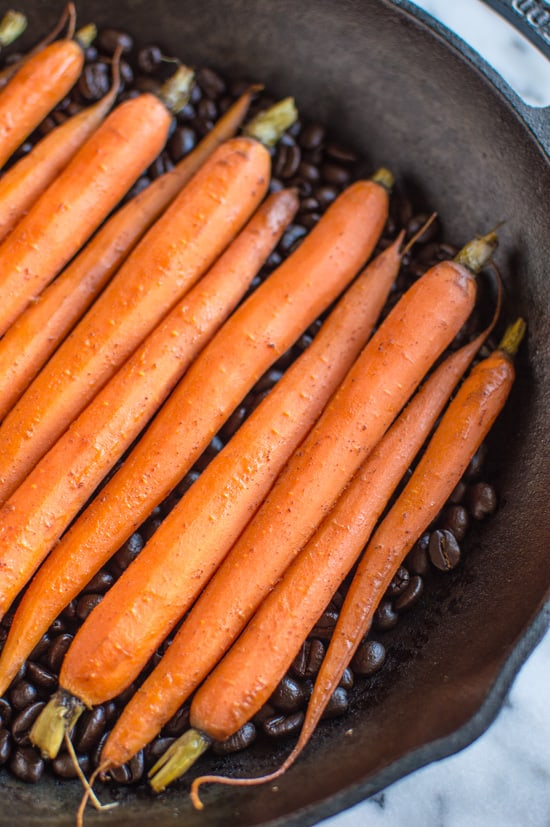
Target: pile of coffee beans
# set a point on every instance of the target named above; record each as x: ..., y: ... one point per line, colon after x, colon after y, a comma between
x: 309, y: 159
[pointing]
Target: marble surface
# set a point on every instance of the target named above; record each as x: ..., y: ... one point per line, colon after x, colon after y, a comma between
x: 503, y: 778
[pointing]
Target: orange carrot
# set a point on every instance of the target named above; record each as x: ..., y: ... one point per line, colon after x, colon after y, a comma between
x: 173, y: 255
x: 258, y: 332
x: 42, y: 81
x: 56, y: 489
x: 274, y: 635
x: 26, y: 180
x: 462, y: 429
x: 34, y: 336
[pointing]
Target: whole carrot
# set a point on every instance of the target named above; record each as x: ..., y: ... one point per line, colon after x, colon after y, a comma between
x: 27, y: 179
x: 169, y: 260
x: 35, y: 335
x: 61, y: 483
x: 265, y: 650
x: 463, y: 427
x: 82, y: 196
x: 260, y: 330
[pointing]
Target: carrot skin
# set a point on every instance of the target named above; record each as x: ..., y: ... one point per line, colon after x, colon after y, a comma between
x: 42, y: 81
x: 260, y: 330
x: 33, y: 337
x: 270, y: 432
x: 263, y: 653
x: 169, y: 260
x: 75, y: 204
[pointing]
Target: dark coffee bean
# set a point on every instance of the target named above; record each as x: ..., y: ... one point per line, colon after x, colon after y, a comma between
x: 41, y: 648
x: 292, y: 234
x: 325, y: 195
x: 91, y: 53
x: 158, y: 167
x: 59, y: 625
x: 209, y: 453
x: 187, y: 114
x: 86, y: 603
x: 155, y: 749
x: 207, y: 110
x: 312, y: 136
x: 22, y: 694
x: 341, y: 154
x: 411, y: 594
x: 140, y: 185
x: 276, y: 185
x: 69, y: 613
x: 100, y: 583
x: 385, y: 617
x: 212, y: 84
x: 108, y: 40
x: 308, y: 172
x: 347, y: 681
x: 89, y: 729
x: 308, y: 205
x: 481, y: 500
x: 63, y: 765
x: 476, y: 463
x: 41, y: 677
x: 308, y: 661
x: 338, y: 704
x: 22, y: 723
x: 444, y: 550
x: 131, y: 772
x: 126, y: 73
x: 335, y: 175
x: 47, y: 126
x: 399, y: 583
x: 122, y: 699
x: 128, y: 552
x: 458, y: 493
x: 242, y: 739
x: 279, y: 725
x: 455, y: 518
x: 202, y: 126
x: 26, y: 764
x: 310, y: 219
x: 369, y: 658
x: 7, y: 620
x: 5, y: 746
x: 325, y: 625
x: 234, y: 422
x: 178, y: 723
x: 94, y: 81
x: 149, y: 58
x: 415, y: 224
x: 417, y: 560
x: 95, y: 755
x: 181, y: 143
x: 288, y: 695
x: 287, y: 160
x: 56, y: 652
x: 5, y: 712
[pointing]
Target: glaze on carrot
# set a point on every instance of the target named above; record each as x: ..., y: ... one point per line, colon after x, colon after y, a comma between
x: 35, y: 335
x: 169, y: 260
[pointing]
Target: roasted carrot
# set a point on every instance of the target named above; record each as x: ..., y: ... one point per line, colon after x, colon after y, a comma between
x: 463, y: 427
x: 26, y: 180
x: 179, y: 248
x: 258, y: 332
x: 56, y: 489
x: 274, y: 635
x: 34, y: 336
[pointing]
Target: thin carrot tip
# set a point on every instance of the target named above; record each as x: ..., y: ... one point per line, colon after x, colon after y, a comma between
x: 175, y: 92
x: 269, y: 125
x: 178, y: 758
x: 513, y: 336
x: 12, y: 26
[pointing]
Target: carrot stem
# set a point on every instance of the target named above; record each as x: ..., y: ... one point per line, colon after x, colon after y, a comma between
x: 384, y: 177
x: 477, y: 252
x: 174, y: 93
x: 513, y: 336
x: 86, y: 35
x: 269, y: 125
x: 178, y: 758
x: 12, y: 26
x: 58, y: 717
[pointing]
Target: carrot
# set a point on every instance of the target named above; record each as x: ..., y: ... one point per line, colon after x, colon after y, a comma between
x: 263, y: 653
x: 34, y: 336
x: 258, y: 332
x: 465, y: 424
x: 51, y: 496
x: 27, y: 179
x: 42, y: 81
x: 171, y: 257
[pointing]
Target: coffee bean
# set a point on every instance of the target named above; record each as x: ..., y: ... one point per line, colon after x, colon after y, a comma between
x: 411, y: 594
x: 385, y: 617
x: 128, y: 552
x: 325, y: 625
x: 22, y: 723
x: 242, y: 739
x: 476, y: 463
x: 5, y: 746
x: 100, y: 583
x: 415, y: 224
x: 399, y: 583
x: 280, y: 725
x: 325, y: 195
x: 455, y: 518
x: 89, y: 729
x: 41, y: 677
x: 22, y: 694
x: 417, y: 559
x: 149, y: 58
x: 309, y: 172
x: 56, y: 652
x: 335, y: 175
x: 207, y: 110
x: 94, y: 81
x: 63, y: 765
x: 481, y: 500
x: 288, y: 695
x: 308, y: 661
x: 181, y: 143
x: 211, y: 83
x: 312, y: 136
x: 109, y: 40
x: 178, y: 723
x: 86, y: 603
x: 5, y: 712
x: 444, y: 550
x: 458, y: 493
x: 26, y: 764
x: 131, y: 772
x: 292, y: 234
x: 341, y: 154
x: 369, y: 658
x: 155, y: 750
x: 287, y: 160
x: 347, y: 680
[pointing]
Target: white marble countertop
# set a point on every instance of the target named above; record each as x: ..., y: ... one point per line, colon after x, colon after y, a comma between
x: 503, y: 778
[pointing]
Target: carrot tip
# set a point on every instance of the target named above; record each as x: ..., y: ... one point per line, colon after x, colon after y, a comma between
x: 177, y: 759
x: 513, y: 336
x: 56, y: 719
x: 477, y: 252
x: 12, y: 26
x: 268, y: 126
x: 384, y: 177
x: 174, y: 93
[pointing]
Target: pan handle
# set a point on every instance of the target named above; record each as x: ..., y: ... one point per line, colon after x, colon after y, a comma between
x: 531, y: 17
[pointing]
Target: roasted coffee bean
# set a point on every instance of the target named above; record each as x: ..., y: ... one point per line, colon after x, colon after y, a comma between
x: 288, y: 696
x: 385, y: 617
x: 59, y: 625
x: 100, y: 582
x: 22, y: 723
x: 287, y: 160
x: 308, y: 661
x: 122, y: 699
x: 68, y: 614
x: 444, y: 550
x: 159, y: 166
x: 47, y: 126
x: 211, y: 83
x: 89, y: 729
x: 149, y: 58
x: 310, y: 219
x: 325, y: 625
x: 476, y: 463
x: 109, y: 40
x: 183, y: 140
x: 459, y: 493
x: 56, y: 652
x: 95, y: 755
x: 131, y: 772
x: 178, y: 723
x: 41, y: 677
x: 369, y: 658
x: 63, y: 765
x: 22, y: 693
x: 243, y: 738
x: 455, y: 518
x: 5, y: 746
x: 347, y: 680
x: 41, y: 648
x: 338, y: 703
x: 234, y: 422
x: 128, y: 552
x: 308, y: 205
x: 312, y: 136
x: 399, y: 583
x: 481, y: 500
x: 5, y: 712
x: 208, y: 454
x: 141, y: 184
x: 291, y: 235
x: 207, y: 110
x: 86, y: 603
x: 280, y: 725
x: 415, y: 224
x: 26, y: 764
x: 417, y: 559
x: 155, y: 750
x: 308, y: 172
x: 94, y: 81
x: 325, y: 195
x: 411, y: 594
x: 126, y: 73
x: 341, y: 154
x: 335, y: 175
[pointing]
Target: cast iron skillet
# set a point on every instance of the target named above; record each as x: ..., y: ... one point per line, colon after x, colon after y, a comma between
x: 405, y: 93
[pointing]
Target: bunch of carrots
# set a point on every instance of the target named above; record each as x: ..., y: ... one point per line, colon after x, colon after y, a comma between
x: 131, y: 333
